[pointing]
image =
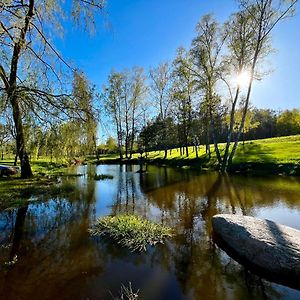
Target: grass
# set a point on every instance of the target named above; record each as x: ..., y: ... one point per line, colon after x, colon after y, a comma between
x: 127, y: 293
x: 273, y: 155
x: 103, y: 177
x: 131, y: 231
x: 15, y: 191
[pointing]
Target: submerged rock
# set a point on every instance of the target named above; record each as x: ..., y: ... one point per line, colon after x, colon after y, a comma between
x: 265, y: 247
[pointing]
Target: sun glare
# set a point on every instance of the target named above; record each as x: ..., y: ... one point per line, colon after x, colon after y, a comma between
x: 243, y: 78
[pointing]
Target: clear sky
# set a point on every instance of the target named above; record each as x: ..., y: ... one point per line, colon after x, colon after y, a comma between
x: 146, y: 32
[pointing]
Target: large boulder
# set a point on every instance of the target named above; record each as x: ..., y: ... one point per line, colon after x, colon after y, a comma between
x: 265, y: 247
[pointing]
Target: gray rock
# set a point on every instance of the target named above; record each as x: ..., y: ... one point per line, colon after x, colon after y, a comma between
x: 270, y: 249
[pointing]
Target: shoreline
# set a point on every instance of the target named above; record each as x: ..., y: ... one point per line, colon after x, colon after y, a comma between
x: 250, y: 168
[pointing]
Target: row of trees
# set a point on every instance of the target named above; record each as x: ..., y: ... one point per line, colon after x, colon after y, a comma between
x: 203, y: 96
x: 260, y: 123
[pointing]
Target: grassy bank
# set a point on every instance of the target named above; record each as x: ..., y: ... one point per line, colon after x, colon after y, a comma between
x: 274, y: 155
x: 17, y: 192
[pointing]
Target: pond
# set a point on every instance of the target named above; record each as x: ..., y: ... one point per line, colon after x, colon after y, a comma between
x: 55, y: 258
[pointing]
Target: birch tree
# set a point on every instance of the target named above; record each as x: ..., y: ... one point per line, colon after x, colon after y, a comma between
x: 160, y: 92
x: 262, y: 17
x: 207, y: 55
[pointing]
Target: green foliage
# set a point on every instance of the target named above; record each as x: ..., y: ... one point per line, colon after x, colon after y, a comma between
x: 131, y: 231
x: 288, y: 122
x: 103, y: 177
x: 111, y: 144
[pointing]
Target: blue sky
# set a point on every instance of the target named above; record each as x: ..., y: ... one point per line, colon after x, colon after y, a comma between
x: 144, y: 33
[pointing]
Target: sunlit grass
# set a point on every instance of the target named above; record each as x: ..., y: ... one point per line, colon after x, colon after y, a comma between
x: 280, y: 150
x: 131, y: 231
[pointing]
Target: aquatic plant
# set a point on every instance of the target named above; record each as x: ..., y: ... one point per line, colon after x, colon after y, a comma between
x: 127, y: 293
x: 131, y: 231
x: 103, y: 177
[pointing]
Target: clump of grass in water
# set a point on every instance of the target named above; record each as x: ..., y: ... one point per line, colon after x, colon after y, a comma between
x: 103, y: 177
x: 131, y: 231
x: 127, y: 293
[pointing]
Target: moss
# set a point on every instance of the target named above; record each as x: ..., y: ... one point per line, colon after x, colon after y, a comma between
x: 131, y: 231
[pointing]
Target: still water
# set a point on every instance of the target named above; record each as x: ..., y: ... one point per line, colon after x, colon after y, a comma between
x: 55, y: 258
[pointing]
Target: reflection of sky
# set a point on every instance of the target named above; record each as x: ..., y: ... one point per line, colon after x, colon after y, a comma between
x: 280, y: 213
x: 104, y: 195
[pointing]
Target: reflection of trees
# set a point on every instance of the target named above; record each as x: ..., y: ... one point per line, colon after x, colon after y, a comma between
x: 200, y: 267
x: 128, y: 195
x: 52, y: 246
x: 57, y: 259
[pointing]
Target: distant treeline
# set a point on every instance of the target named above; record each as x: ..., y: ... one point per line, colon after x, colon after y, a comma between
x: 261, y: 123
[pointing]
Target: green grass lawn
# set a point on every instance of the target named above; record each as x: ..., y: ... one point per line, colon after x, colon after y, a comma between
x: 267, y: 152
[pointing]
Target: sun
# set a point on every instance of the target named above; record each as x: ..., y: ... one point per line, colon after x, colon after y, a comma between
x: 243, y: 79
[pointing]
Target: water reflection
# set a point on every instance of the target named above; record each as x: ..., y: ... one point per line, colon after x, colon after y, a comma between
x: 56, y: 258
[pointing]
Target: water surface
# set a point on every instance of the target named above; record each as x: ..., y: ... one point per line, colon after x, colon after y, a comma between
x: 55, y: 258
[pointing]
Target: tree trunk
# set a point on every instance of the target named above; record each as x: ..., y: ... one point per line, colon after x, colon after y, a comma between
x: 186, y: 145
x: 13, y: 96
x: 95, y: 147
x: 20, y: 141
x: 255, y: 58
x: 230, y: 133
x: 166, y: 153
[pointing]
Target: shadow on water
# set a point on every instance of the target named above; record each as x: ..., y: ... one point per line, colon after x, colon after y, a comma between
x: 56, y: 258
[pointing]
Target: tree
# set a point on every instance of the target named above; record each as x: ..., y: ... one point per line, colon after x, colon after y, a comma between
x: 123, y: 98
x: 288, y: 122
x: 240, y: 32
x: 111, y: 144
x: 83, y: 92
x: 137, y: 94
x: 160, y: 92
x: 30, y: 63
x: 183, y: 88
x: 262, y: 16
x: 206, y: 52
x: 266, y: 119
